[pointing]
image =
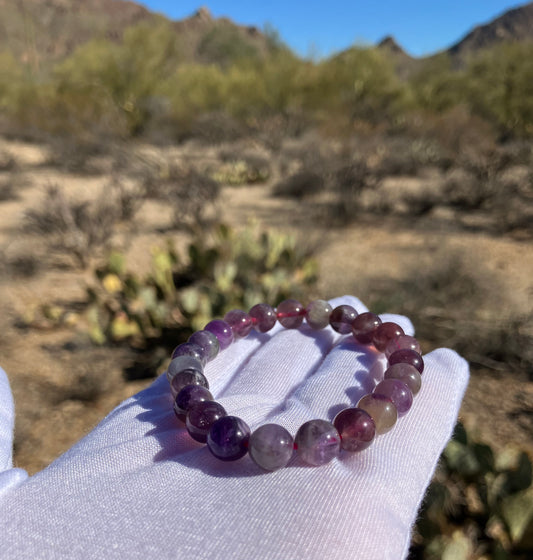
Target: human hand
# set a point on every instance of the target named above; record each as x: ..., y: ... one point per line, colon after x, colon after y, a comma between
x: 139, y: 487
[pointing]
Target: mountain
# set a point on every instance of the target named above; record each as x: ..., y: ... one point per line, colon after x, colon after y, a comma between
x: 513, y: 25
x: 40, y: 32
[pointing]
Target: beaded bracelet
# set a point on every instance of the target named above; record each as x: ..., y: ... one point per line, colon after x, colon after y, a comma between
x: 317, y: 441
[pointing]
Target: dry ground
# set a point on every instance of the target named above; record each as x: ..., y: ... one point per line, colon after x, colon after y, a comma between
x: 63, y: 386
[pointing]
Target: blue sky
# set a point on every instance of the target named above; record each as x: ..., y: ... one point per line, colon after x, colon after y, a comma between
x: 319, y: 28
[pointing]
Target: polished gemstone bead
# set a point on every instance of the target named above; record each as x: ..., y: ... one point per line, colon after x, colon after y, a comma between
x: 187, y: 377
x: 356, y: 428
x: 341, y: 318
x: 189, y: 395
x: 385, y: 333
x: 382, y: 411
x: 403, y: 341
x: 263, y: 317
x: 398, y: 392
x: 364, y: 326
x: 240, y: 322
x: 190, y: 349
x: 183, y: 362
x: 271, y: 446
x: 407, y: 356
x: 317, y: 314
x: 406, y: 373
x: 207, y: 341
x: 317, y: 442
x: 222, y: 331
x: 228, y: 438
x: 201, y: 416
x: 290, y: 313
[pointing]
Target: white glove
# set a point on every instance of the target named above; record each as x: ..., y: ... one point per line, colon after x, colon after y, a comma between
x: 139, y: 487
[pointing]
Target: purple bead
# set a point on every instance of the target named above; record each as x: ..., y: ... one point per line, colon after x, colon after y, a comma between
x: 385, y: 333
x: 407, y: 356
x: 189, y: 395
x: 222, y: 331
x: 364, y: 326
x: 317, y: 442
x: 356, y: 429
x: 228, y: 438
x: 190, y: 349
x: 240, y: 322
x: 406, y: 373
x: 341, y: 318
x: 263, y: 317
x: 207, y: 341
x: 317, y: 314
x: 181, y: 363
x: 290, y: 313
x: 271, y: 446
x: 403, y: 341
x: 201, y: 416
x: 187, y: 377
x: 398, y: 392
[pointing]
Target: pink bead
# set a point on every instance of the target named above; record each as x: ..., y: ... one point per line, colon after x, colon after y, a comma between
x: 240, y: 322
x: 385, y: 333
x: 398, y: 392
x: 364, y: 326
x: 406, y: 373
x: 407, y: 356
x: 356, y: 428
x: 290, y: 313
x: 263, y: 317
x: 403, y: 341
x: 341, y: 318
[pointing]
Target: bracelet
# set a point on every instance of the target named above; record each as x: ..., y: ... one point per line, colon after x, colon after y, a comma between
x: 317, y: 441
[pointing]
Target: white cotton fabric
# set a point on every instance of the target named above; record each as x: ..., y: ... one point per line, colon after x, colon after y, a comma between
x: 138, y: 487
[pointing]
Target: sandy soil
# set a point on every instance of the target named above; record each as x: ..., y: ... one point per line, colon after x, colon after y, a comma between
x: 63, y: 386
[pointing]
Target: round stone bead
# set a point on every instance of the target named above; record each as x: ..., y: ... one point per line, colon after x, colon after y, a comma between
x: 228, y: 438
x: 207, y: 341
x: 356, y: 428
x: 190, y: 349
x: 263, y: 317
x: 290, y: 313
x: 364, y: 326
x: 382, y: 411
x: 189, y: 395
x: 240, y: 322
x: 398, y: 392
x: 222, y: 331
x: 385, y: 333
x: 271, y: 446
x: 402, y: 342
x: 201, y: 416
x: 341, y: 318
x: 317, y: 442
x: 181, y: 363
x: 406, y: 373
x: 317, y: 314
x: 407, y: 356
x: 187, y: 377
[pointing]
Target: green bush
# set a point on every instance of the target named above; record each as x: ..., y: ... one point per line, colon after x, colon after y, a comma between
x: 479, y: 505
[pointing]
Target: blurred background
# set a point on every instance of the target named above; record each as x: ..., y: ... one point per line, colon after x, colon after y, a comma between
x: 160, y: 165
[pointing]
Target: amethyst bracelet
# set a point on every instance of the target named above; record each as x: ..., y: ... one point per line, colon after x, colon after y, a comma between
x: 317, y: 441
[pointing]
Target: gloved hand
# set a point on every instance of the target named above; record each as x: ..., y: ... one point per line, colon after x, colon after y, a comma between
x: 139, y: 487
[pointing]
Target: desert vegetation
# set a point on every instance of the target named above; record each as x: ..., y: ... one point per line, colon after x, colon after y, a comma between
x: 145, y: 189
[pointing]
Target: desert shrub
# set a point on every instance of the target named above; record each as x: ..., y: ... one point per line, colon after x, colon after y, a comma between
x: 78, y: 229
x: 224, y: 269
x: 189, y: 193
x: 479, y: 504
x: 300, y: 184
x: 447, y: 301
